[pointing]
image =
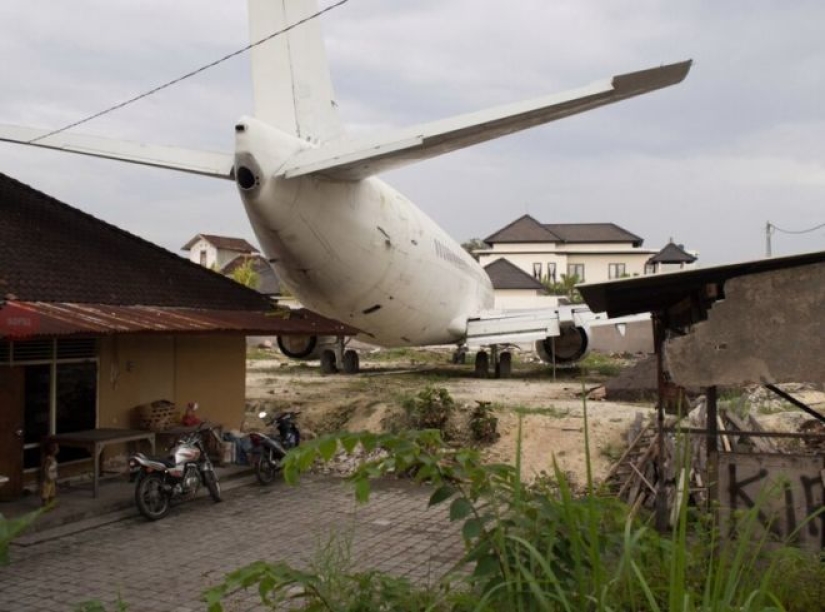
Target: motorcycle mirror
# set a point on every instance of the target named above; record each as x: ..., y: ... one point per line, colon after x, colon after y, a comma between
x: 262, y: 414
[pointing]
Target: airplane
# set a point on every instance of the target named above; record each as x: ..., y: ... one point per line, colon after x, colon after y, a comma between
x: 346, y: 244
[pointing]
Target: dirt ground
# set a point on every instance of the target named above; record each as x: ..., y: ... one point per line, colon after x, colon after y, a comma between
x: 551, y: 411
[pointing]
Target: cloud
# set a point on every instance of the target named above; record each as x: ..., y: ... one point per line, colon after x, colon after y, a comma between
x: 708, y: 162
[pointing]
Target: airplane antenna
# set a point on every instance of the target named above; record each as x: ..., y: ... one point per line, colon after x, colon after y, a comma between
x: 189, y: 74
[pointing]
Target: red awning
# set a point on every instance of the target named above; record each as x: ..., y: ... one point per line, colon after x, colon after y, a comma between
x: 41, y: 319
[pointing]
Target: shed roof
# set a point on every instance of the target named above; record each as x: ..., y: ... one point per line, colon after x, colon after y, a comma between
x: 51, y: 252
x: 66, y: 272
x: 26, y: 320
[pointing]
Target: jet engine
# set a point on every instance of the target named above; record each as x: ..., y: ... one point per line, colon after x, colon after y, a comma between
x: 299, y: 347
x: 569, y: 346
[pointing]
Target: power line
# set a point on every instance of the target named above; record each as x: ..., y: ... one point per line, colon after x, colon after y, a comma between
x: 190, y: 74
x: 770, y: 228
x: 805, y: 231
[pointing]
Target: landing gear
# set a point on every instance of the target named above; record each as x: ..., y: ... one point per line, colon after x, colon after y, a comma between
x: 504, y: 367
x: 503, y: 361
x: 331, y: 357
x: 460, y: 355
x: 351, y: 363
x: 482, y: 365
x: 328, y: 362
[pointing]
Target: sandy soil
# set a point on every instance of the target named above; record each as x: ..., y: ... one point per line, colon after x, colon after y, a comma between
x: 552, y: 412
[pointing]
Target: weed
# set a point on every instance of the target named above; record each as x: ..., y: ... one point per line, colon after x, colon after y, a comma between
x: 603, y: 365
x: 483, y: 424
x: 430, y: 408
x: 11, y: 528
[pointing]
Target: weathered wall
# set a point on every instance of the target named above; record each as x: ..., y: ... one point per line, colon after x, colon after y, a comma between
x: 788, y: 489
x: 770, y: 328
x: 210, y: 370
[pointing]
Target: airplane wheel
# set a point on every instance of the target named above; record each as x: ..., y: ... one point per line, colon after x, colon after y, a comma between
x: 328, y: 362
x: 459, y: 357
x: 504, y: 367
x: 482, y: 364
x: 351, y: 364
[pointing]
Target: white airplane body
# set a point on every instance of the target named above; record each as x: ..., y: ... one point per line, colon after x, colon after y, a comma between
x: 345, y: 243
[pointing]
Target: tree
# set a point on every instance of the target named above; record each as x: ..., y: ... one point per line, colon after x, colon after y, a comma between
x: 245, y: 274
x: 472, y: 245
x: 565, y: 287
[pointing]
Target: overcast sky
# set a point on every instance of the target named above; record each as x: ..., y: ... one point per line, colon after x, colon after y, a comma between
x: 708, y: 162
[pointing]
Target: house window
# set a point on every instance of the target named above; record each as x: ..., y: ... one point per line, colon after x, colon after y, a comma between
x: 650, y: 268
x: 616, y: 270
x: 203, y: 257
x: 551, y: 271
x: 537, y: 271
x: 576, y: 270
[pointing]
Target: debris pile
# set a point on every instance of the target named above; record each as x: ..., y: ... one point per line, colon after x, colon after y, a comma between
x: 647, y: 462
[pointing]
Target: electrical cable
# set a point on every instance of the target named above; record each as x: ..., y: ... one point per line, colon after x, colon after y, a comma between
x: 805, y: 231
x: 189, y: 74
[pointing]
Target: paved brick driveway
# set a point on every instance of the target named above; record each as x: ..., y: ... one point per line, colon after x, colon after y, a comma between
x: 166, y: 565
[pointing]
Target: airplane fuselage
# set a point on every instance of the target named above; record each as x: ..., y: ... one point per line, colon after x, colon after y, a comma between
x: 357, y: 251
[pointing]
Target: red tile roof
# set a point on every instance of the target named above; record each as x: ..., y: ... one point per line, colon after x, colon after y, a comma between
x: 224, y: 243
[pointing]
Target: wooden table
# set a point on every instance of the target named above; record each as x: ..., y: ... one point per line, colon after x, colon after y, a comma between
x: 94, y: 440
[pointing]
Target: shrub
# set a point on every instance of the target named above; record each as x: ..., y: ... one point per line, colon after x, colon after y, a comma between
x: 430, y: 409
x: 483, y: 424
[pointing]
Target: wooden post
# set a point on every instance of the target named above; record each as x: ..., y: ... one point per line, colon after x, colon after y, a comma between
x: 712, y: 442
x: 661, y: 520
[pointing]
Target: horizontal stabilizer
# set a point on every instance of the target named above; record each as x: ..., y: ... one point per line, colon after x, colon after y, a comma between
x: 512, y: 328
x: 186, y: 160
x: 359, y: 158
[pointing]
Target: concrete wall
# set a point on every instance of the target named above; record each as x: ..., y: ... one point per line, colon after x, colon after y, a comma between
x: 622, y: 335
x: 514, y: 299
x: 770, y: 328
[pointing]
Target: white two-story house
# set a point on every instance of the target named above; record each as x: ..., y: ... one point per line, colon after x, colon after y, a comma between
x: 593, y: 252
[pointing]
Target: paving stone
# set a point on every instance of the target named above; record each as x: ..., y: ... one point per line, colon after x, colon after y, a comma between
x: 166, y: 565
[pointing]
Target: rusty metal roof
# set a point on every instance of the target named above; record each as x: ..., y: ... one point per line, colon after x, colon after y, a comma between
x: 40, y: 319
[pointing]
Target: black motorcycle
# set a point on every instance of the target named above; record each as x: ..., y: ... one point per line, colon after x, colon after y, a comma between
x: 270, y: 449
x: 178, y: 476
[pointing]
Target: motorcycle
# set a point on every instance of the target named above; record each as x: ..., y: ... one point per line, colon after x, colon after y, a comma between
x: 159, y: 481
x: 270, y: 449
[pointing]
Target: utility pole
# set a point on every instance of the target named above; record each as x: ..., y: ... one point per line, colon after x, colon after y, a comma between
x: 768, y: 231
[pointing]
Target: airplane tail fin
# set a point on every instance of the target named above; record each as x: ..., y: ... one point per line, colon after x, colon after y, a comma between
x: 291, y: 82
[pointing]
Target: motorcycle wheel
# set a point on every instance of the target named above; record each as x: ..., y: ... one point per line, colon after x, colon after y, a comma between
x: 151, y: 498
x: 213, y: 486
x: 265, y: 470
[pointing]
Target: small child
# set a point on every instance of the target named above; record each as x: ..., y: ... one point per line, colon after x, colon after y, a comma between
x: 48, y: 476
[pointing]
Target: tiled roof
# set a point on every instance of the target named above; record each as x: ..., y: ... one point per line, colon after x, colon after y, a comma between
x: 51, y: 252
x: 506, y: 275
x: 527, y: 229
x: 223, y: 243
x: 592, y: 232
x: 523, y: 229
x: 671, y: 254
x: 268, y: 281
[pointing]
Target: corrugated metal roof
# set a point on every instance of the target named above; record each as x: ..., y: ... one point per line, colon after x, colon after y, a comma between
x: 41, y: 319
x: 658, y: 292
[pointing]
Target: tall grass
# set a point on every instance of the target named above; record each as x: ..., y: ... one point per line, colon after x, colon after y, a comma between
x: 535, y: 547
